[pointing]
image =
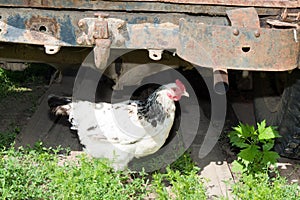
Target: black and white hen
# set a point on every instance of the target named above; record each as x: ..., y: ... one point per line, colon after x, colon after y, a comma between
x: 123, y: 130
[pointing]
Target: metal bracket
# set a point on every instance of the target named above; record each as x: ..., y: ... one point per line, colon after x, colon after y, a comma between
x: 97, y: 34
x: 155, y: 54
x: 290, y: 17
x: 244, y: 45
x: 51, y: 49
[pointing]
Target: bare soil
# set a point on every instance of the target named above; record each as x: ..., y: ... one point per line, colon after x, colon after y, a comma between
x: 17, y: 108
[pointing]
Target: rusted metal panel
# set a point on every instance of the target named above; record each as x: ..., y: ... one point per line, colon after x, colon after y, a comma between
x: 139, y: 6
x: 244, y: 17
x: 150, y: 36
x: 87, y: 3
x: 224, y: 47
x: 205, y: 41
x: 262, y: 3
x: 126, y: 30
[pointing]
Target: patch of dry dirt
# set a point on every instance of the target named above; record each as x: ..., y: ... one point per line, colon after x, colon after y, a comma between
x: 17, y: 108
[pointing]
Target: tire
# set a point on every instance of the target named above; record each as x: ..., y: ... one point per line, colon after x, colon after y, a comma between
x: 277, y: 100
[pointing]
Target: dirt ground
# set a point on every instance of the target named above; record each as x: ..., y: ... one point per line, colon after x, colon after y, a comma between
x: 17, y: 108
x: 16, y: 111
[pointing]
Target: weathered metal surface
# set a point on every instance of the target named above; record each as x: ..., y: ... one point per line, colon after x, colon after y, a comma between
x: 102, y: 41
x: 205, y: 41
x: 221, y: 82
x: 219, y: 47
x: 153, y: 36
x: 43, y: 24
x: 287, y: 16
x: 138, y: 6
x: 243, y: 17
x: 40, y: 27
x: 263, y: 3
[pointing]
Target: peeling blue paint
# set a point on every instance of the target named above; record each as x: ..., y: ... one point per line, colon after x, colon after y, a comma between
x: 16, y: 21
x: 67, y: 31
x: 138, y: 20
x: 15, y: 28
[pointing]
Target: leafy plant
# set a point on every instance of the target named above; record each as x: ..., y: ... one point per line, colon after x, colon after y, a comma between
x: 5, y: 83
x: 255, y: 146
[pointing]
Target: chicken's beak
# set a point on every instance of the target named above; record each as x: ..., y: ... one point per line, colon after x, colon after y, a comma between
x: 185, y: 94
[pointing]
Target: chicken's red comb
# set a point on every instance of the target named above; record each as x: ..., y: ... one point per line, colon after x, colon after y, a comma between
x: 180, y: 85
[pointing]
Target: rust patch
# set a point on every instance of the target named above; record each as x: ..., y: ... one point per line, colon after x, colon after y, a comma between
x: 45, y: 25
x: 244, y: 17
x: 262, y: 3
x: 219, y: 47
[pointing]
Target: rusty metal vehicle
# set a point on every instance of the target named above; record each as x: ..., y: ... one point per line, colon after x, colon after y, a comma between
x: 261, y: 36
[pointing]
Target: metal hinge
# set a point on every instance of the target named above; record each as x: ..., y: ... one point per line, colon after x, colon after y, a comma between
x: 98, y: 35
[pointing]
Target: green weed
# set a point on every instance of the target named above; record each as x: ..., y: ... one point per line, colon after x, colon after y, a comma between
x: 181, y: 181
x: 8, y: 137
x: 255, y: 146
x: 39, y: 173
x: 260, y: 186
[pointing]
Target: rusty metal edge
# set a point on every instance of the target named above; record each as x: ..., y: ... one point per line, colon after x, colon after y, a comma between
x: 259, y: 3
x: 202, y: 45
x: 132, y: 6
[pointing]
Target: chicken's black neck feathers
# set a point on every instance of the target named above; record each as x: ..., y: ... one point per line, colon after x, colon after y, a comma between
x: 151, y: 109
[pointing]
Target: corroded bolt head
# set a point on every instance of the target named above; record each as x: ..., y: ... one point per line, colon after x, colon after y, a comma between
x: 257, y: 33
x: 81, y: 23
x: 80, y: 40
x: 236, y: 32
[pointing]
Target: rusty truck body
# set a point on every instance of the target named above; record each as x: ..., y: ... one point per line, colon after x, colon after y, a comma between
x: 222, y: 35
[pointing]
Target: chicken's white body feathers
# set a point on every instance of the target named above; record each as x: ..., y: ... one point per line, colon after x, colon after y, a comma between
x: 122, y: 131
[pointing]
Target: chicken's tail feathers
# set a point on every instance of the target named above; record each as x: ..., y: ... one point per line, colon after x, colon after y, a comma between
x: 60, y: 105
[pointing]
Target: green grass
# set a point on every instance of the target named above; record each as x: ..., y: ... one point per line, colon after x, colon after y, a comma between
x: 8, y: 137
x: 261, y: 186
x: 38, y: 173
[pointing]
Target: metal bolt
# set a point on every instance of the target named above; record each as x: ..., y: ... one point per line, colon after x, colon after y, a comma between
x: 81, y: 23
x: 236, y: 32
x: 79, y: 40
x: 257, y: 33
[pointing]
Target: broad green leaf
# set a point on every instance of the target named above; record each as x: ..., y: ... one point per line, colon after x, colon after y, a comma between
x: 247, y: 130
x: 261, y: 126
x: 237, y: 130
x: 268, y: 146
x: 241, y: 145
x: 270, y: 157
x: 249, y: 153
x: 237, y: 167
x: 266, y: 134
x: 237, y: 141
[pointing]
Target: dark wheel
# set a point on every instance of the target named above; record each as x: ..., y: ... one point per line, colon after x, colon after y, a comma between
x: 277, y: 100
